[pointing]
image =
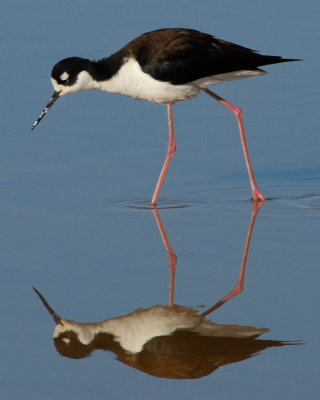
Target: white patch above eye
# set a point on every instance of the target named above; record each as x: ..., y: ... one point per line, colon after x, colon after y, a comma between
x: 64, y: 76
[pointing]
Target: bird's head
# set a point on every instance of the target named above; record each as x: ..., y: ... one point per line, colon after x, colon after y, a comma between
x: 68, y: 76
x: 71, y: 75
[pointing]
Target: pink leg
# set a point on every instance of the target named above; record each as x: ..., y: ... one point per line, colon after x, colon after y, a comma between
x: 171, y: 256
x: 257, y: 196
x: 239, y: 285
x: 170, y: 152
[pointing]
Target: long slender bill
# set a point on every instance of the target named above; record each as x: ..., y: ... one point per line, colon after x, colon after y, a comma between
x: 56, y: 317
x: 53, y: 98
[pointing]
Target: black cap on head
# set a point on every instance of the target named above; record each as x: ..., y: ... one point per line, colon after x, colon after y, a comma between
x: 66, y: 71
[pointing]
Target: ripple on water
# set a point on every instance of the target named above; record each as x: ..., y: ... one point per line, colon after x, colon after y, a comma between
x: 290, y: 201
x: 297, y: 200
x: 162, y: 204
x: 297, y: 204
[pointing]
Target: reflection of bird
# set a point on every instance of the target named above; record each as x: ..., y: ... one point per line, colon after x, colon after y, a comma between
x: 165, y: 66
x: 170, y: 342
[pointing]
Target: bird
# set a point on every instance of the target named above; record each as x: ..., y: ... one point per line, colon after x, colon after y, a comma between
x: 166, y: 66
x: 172, y: 342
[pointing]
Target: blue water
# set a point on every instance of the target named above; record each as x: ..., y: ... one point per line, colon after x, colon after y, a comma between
x: 71, y: 221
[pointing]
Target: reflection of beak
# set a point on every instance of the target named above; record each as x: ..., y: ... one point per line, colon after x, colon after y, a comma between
x: 54, y: 97
x: 56, y: 317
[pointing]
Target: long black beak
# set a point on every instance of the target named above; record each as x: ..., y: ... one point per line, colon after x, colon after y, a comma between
x: 54, y: 97
x: 56, y: 317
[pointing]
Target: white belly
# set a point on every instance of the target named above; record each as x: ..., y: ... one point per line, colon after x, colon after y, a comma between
x: 133, y: 82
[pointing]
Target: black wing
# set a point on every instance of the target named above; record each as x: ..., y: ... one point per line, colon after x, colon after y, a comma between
x: 179, y: 55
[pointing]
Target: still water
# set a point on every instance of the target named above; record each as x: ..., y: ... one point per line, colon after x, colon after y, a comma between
x: 210, y: 297
x: 206, y: 296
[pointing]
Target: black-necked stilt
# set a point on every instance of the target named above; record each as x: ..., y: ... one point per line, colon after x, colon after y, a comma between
x: 168, y: 342
x: 165, y: 66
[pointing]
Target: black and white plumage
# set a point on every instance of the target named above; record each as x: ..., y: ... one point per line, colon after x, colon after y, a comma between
x: 167, y: 342
x: 165, y: 66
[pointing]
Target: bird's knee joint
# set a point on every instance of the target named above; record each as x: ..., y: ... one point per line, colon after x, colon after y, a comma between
x: 238, y: 112
x: 172, y: 150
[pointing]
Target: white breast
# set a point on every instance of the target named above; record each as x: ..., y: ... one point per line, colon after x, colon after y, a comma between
x: 133, y: 82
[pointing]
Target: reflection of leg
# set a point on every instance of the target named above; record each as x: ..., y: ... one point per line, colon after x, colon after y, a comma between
x: 170, y: 152
x: 239, y: 285
x: 171, y: 256
x: 257, y: 196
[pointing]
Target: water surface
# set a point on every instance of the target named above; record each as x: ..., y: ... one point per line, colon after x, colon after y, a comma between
x: 75, y: 222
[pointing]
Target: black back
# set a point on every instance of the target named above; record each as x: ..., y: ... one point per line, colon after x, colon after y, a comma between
x: 179, y: 55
